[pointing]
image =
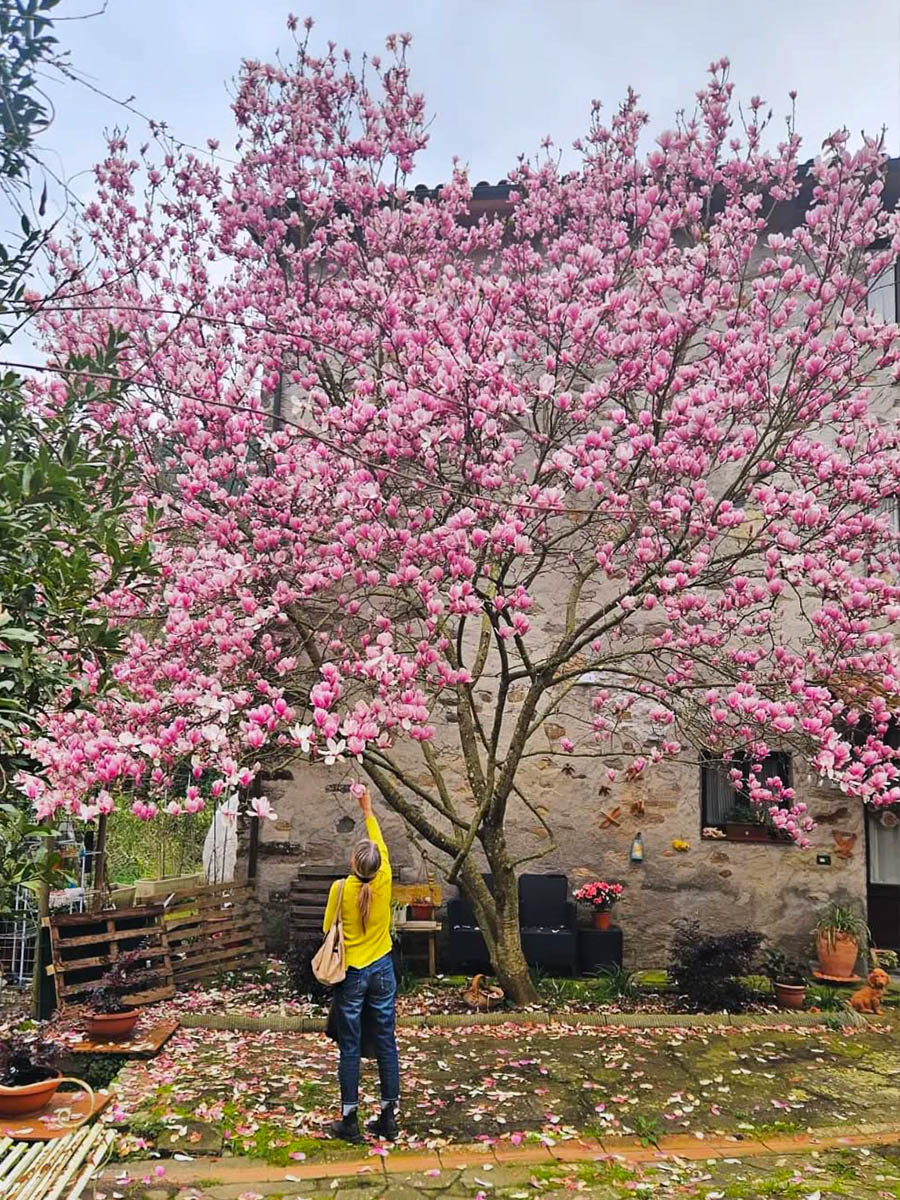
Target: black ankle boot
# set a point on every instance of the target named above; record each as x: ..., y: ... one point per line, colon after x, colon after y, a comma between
x: 385, y: 1125
x: 347, y: 1128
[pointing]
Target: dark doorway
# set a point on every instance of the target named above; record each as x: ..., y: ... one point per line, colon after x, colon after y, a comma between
x: 883, y: 877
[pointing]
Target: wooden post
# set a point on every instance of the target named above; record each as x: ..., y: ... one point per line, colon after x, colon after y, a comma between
x: 99, y: 872
x: 41, y: 1004
x: 253, y: 851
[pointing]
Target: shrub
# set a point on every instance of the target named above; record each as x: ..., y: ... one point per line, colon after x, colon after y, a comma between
x: 615, y: 984
x: 779, y: 968
x: 129, y: 973
x: 706, y: 968
x: 826, y: 999
x: 298, y: 964
x: 97, y: 1070
x: 27, y: 1058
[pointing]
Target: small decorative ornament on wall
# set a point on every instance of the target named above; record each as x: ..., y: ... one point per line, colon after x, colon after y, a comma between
x: 845, y: 843
x: 637, y: 849
x: 681, y: 845
x: 889, y: 820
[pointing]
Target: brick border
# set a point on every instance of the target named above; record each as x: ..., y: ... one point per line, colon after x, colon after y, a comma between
x: 292, y: 1024
x: 402, y: 1162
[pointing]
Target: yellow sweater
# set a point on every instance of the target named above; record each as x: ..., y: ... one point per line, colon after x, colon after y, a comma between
x: 362, y: 948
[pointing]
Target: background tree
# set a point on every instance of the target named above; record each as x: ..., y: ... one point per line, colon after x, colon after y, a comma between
x: 69, y: 532
x: 431, y: 482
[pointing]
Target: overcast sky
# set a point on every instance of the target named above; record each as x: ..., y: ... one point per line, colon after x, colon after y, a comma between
x: 497, y: 74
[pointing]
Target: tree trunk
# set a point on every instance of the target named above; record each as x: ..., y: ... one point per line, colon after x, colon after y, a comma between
x: 498, y: 918
x: 511, y: 968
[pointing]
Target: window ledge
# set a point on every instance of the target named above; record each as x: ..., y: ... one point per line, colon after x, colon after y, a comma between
x: 753, y: 835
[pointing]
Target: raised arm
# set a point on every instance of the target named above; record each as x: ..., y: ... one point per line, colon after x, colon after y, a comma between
x: 372, y: 827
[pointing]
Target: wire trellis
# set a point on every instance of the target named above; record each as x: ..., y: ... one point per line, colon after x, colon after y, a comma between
x: 18, y: 941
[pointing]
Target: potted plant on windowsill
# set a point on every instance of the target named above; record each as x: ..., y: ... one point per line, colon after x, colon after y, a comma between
x: 29, y: 1074
x: 788, y: 977
x: 749, y: 824
x: 602, y: 898
x: 841, y: 933
x: 111, y: 1015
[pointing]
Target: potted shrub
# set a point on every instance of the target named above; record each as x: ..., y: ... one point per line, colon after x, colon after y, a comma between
x: 29, y: 1073
x: 111, y: 1017
x: 602, y: 898
x: 840, y: 935
x: 788, y: 977
x: 748, y: 824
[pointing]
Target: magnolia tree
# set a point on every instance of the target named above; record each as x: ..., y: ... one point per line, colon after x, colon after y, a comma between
x: 613, y: 452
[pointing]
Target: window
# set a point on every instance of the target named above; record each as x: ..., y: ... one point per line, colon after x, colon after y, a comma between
x: 882, y: 297
x: 890, y: 506
x: 729, y: 809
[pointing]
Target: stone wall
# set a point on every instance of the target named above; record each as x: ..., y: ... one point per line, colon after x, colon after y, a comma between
x: 773, y: 887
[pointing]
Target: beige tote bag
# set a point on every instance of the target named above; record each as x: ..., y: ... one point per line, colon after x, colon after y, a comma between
x: 328, y: 963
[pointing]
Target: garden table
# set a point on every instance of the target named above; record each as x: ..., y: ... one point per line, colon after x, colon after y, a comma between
x: 430, y: 929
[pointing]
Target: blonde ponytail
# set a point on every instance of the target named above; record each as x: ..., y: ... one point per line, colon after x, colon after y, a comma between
x: 365, y: 863
x: 365, y: 904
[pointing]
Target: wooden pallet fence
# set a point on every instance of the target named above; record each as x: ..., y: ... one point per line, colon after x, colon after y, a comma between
x: 85, y: 945
x: 309, y: 895
x: 211, y: 929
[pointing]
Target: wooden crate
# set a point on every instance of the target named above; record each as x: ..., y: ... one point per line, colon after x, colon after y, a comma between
x: 211, y: 929
x: 309, y: 895
x: 417, y: 893
x: 85, y: 945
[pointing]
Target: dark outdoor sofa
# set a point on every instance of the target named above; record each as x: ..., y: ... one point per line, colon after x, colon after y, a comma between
x: 546, y: 919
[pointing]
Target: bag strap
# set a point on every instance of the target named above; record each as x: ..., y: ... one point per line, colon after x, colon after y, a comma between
x: 336, y: 919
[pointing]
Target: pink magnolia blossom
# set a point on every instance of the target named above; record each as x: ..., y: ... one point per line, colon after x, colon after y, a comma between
x: 396, y: 455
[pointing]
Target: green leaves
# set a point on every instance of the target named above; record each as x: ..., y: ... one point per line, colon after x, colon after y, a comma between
x: 25, y: 44
x: 65, y: 538
x: 27, y: 859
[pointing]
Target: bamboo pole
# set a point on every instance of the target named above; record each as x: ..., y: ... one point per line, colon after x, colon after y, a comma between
x: 53, y: 1156
x: 16, y: 1150
x: 75, y: 1161
x: 94, y: 1164
x: 22, y: 1164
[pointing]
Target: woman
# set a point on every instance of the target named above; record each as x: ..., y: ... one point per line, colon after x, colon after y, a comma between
x: 370, y: 987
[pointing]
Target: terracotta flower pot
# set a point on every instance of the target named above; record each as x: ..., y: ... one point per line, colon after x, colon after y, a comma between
x: 837, y: 955
x: 602, y: 920
x: 28, y: 1099
x: 790, y: 995
x: 421, y: 912
x: 112, y: 1027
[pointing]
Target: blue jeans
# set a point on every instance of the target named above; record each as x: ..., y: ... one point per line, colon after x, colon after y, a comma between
x: 373, y: 989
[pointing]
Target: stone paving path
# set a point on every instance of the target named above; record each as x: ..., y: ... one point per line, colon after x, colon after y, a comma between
x: 808, y: 1114
x: 271, y: 1095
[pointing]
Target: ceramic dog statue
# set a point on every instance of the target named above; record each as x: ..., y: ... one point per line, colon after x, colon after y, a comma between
x: 868, y: 999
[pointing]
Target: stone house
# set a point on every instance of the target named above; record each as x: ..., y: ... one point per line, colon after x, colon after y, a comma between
x: 731, y: 873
